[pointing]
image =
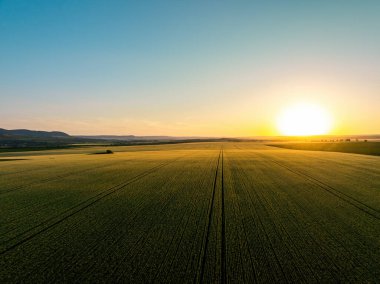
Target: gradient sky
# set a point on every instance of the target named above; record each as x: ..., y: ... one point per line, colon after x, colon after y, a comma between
x: 209, y: 68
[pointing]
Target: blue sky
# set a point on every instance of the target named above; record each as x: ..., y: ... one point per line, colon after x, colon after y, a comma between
x: 186, y: 67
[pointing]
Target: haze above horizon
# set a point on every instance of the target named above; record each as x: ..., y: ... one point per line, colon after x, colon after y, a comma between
x: 189, y: 68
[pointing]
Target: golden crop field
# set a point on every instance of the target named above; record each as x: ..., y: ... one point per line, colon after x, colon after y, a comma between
x: 196, y: 212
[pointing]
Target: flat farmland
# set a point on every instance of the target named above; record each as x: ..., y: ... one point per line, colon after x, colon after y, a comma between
x: 365, y: 148
x: 196, y: 212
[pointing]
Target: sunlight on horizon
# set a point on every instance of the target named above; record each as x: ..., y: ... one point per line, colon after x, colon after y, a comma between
x: 304, y: 119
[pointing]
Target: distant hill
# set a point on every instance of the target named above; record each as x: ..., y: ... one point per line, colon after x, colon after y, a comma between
x: 26, y: 135
x: 140, y: 138
x: 31, y: 139
x: 33, y: 133
x: 129, y: 137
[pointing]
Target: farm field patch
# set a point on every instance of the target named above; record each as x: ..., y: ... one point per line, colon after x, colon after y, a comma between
x: 197, y: 212
x: 364, y: 148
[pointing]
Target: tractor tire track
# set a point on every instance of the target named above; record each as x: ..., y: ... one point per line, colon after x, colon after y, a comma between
x: 192, y: 251
x: 58, y: 178
x: 288, y: 240
x: 135, y: 251
x: 195, y: 261
x: 61, y: 177
x: 77, y: 209
x: 203, y: 255
x: 313, y: 239
x: 192, y: 209
x: 373, y: 212
x: 333, y: 191
x: 36, y: 207
x: 311, y: 155
x: 94, y: 247
x: 223, y: 248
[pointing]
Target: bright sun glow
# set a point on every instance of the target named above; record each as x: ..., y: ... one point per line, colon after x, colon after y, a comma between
x: 304, y: 119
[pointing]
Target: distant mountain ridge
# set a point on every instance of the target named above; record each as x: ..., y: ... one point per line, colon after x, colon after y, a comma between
x: 33, y: 133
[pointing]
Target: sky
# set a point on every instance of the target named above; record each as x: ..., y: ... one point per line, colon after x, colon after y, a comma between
x: 187, y: 68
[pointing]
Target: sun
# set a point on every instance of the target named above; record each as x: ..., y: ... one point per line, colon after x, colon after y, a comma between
x: 304, y: 119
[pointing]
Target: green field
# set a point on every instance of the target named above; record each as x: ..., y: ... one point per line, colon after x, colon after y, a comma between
x: 365, y: 148
x: 197, y: 212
